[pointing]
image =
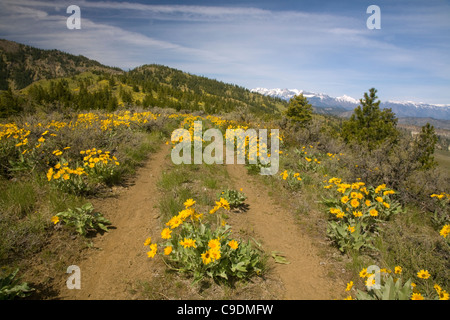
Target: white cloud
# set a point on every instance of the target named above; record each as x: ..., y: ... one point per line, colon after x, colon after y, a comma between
x: 248, y: 46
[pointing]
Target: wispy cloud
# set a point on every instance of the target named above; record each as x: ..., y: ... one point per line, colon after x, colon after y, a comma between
x: 28, y: 22
x: 330, y: 51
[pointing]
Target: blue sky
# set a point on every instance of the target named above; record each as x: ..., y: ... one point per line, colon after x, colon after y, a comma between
x: 318, y: 46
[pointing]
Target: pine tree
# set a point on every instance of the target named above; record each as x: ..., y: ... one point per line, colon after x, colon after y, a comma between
x: 425, y: 144
x: 10, y: 104
x: 369, y: 125
x: 299, y: 110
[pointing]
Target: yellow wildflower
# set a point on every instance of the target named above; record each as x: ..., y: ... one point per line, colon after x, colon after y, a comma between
x: 213, y: 210
x: 55, y: 219
x: 363, y: 273
x: 165, y: 234
x: 189, y: 203
x: 445, y: 230
x: 148, y: 241
x: 416, y: 296
x: 340, y: 214
x: 233, y: 244
x: 167, y: 250
x: 214, y: 244
x: 223, y: 203
x: 354, y: 203
x: 215, y: 254
x: 49, y: 174
x: 174, y: 222
x: 357, y: 214
x: 152, y: 252
x: 349, y: 286
x: 423, y: 274
x: 380, y: 187
x: 398, y: 270
x: 443, y: 295
x: 188, y: 243
x: 206, y: 257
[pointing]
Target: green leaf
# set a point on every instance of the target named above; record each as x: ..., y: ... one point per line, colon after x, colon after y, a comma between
x: 279, y: 257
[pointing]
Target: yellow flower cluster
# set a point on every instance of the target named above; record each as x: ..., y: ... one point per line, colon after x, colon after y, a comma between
x: 369, y: 281
x: 28, y: 138
x: 210, y: 255
x: 93, y: 157
x: 188, y: 243
x: 222, y: 203
x: 359, y: 199
x: 63, y: 171
x: 440, y: 196
x: 443, y: 295
x: 213, y: 253
x: 334, y: 156
x: 153, y: 247
x: 285, y: 175
x: 310, y: 158
x: 12, y: 130
x: 113, y: 120
x: 183, y: 215
x: 424, y: 274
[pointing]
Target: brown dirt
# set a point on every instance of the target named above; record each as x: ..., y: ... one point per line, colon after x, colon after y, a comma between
x: 304, y: 278
x: 119, y: 257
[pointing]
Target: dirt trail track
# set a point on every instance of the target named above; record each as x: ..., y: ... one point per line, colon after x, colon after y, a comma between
x: 119, y: 259
x: 303, y: 278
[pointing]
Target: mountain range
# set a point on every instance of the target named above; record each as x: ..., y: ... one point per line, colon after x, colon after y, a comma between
x: 344, y: 105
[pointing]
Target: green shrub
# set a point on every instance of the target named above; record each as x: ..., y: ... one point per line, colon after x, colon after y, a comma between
x: 83, y: 219
x: 202, y: 250
x: 235, y: 198
x: 11, y: 287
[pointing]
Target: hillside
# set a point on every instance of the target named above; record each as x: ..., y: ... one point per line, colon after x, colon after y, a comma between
x: 419, y: 122
x: 51, y: 78
x: 21, y: 65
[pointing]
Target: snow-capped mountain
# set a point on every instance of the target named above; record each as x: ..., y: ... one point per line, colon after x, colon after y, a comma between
x: 418, y: 110
x: 346, y: 103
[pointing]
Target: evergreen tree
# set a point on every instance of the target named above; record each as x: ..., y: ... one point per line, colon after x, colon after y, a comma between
x: 299, y: 110
x: 369, y: 125
x: 9, y: 104
x: 112, y: 104
x: 4, y: 84
x: 425, y: 144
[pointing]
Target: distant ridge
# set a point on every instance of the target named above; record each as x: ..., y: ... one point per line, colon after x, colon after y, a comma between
x: 342, y: 105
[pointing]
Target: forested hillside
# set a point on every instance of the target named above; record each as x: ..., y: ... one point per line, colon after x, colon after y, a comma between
x: 21, y: 65
x: 35, y: 79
